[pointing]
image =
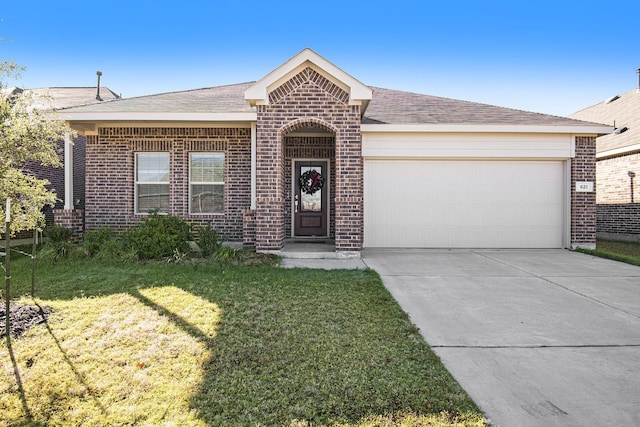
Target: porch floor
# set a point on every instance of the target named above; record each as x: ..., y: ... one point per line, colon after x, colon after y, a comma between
x: 313, y: 249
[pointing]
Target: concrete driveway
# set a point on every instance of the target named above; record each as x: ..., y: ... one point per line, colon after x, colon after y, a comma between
x: 536, y: 337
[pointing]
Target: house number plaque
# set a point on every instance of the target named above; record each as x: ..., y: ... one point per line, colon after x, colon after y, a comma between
x: 584, y: 186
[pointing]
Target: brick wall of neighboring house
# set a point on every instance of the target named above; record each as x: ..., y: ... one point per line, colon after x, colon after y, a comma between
x: 55, y: 176
x: 308, y: 99
x: 618, y: 197
x: 583, y: 208
x: 110, y: 174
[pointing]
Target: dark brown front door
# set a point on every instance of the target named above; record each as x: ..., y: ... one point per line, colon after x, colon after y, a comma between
x: 311, y: 184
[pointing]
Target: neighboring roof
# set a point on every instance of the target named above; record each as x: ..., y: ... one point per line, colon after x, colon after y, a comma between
x: 10, y: 91
x: 63, y: 97
x: 621, y: 111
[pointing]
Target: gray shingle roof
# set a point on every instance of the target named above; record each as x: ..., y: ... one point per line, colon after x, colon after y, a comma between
x: 386, y: 107
x: 221, y: 99
x: 398, y: 107
x: 621, y: 112
x: 63, y: 97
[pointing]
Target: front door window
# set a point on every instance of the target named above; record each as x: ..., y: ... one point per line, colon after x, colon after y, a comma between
x: 310, y: 199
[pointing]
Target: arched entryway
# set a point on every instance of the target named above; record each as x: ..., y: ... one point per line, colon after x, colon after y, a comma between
x: 309, y: 180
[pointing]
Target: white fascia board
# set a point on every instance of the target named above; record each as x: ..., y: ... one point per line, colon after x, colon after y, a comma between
x: 258, y: 92
x: 462, y: 128
x: 160, y: 117
x: 618, y: 151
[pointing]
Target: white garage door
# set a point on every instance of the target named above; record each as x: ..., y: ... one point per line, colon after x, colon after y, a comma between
x: 464, y: 204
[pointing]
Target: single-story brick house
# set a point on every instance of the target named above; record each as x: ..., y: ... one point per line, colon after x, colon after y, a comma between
x: 617, y: 166
x: 308, y: 151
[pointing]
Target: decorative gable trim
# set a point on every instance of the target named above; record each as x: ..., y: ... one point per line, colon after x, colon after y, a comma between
x: 308, y: 75
x: 259, y: 92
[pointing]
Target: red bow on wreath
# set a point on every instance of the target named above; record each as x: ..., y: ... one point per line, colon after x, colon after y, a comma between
x: 311, y: 181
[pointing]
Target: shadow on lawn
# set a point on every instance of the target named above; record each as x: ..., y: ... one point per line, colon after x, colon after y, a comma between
x: 176, y: 319
x: 16, y: 373
x: 241, y: 378
x: 81, y: 379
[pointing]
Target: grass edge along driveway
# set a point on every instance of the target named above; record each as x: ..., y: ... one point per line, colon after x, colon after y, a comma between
x: 198, y: 345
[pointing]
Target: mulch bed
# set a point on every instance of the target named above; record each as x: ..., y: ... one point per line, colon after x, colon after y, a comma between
x: 22, y: 317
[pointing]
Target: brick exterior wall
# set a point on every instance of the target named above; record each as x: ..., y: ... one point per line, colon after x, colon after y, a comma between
x: 618, y: 197
x: 111, y: 160
x: 249, y: 227
x: 308, y: 99
x: 583, y: 207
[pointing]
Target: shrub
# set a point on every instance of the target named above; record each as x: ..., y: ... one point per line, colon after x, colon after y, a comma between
x: 227, y: 255
x: 96, y: 240
x: 157, y: 237
x: 208, y: 241
x: 57, y: 234
x: 58, y: 241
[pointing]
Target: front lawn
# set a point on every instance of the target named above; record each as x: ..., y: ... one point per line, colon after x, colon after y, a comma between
x: 206, y: 345
x: 628, y: 252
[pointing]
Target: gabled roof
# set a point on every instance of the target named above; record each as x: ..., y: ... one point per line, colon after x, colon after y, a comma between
x: 621, y: 111
x: 383, y: 109
x: 388, y: 107
x: 258, y: 93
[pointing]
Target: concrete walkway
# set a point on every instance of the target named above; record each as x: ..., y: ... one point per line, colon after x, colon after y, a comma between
x: 536, y: 337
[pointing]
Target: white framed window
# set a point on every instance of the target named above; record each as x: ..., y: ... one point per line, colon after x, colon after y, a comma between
x: 152, y: 182
x: 206, y: 183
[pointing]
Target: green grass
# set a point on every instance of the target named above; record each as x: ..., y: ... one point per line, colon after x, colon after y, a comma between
x: 628, y: 252
x: 205, y: 345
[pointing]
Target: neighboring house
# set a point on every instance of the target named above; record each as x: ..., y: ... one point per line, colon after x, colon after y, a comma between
x: 58, y: 98
x: 310, y: 152
x: 618, y: 166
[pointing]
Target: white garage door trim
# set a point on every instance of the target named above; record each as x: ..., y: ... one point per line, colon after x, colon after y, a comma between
x: 465, y: 203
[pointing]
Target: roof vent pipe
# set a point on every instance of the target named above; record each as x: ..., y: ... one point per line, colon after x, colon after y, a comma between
x: 638, y: 71
x: 99, y: 74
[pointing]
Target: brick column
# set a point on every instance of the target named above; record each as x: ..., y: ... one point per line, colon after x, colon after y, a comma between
x: 269, y: 184
x: 583, y: 205
x: 73, y: 219
x: 349, y: 190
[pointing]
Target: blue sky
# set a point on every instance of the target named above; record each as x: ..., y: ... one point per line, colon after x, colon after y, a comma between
x: 547, y: 56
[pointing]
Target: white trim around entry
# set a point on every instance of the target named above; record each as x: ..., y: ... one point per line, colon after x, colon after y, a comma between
x: 68, y: 172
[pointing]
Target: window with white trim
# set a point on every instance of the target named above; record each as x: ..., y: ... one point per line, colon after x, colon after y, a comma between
x: 152, y: 182
x: 206, y: 183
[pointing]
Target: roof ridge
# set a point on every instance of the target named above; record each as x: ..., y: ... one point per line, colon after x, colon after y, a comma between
x: 189, y: 90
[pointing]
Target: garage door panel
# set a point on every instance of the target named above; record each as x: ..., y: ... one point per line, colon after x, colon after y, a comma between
x: 499, y: 204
